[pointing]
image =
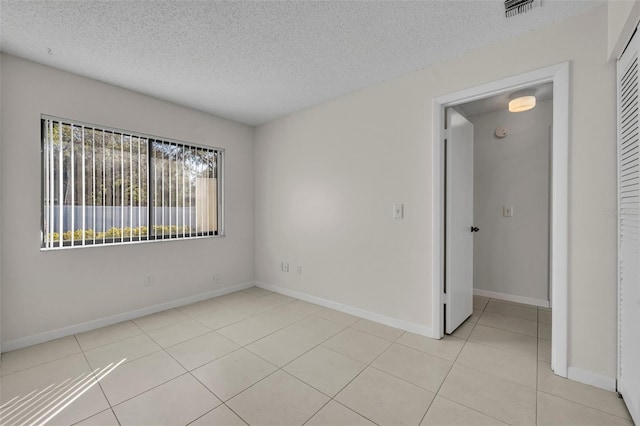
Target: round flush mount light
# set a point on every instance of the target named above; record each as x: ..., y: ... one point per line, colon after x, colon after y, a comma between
x: 523, y: 100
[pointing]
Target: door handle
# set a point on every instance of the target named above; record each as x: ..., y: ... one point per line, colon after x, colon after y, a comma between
x: 474, y: 229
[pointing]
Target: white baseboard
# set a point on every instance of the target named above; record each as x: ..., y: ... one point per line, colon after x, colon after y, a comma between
x: 372, y: 316
x: 511, y: 298
x: 593, y: 379
x: 23, y: 342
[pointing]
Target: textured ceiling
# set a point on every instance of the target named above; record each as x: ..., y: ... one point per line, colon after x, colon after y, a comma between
x: 256, y: 61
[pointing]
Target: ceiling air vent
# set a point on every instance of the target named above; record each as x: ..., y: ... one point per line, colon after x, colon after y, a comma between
x: 515, y: 7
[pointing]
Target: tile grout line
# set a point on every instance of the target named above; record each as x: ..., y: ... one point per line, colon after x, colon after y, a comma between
x: 99, y: 385
x: 321, y: 343
x: 224, y: 402
x: 586, y: 406
x: 449, y: 372
x: 304, y: 353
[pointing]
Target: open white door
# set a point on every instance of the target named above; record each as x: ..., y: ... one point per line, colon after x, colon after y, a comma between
x: 628, y: 229
x: 458, y: 220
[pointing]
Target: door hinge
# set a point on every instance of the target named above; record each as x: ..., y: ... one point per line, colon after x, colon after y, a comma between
x: 445, y: 298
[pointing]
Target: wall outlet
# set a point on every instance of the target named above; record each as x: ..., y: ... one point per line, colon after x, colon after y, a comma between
x: 398, y: 211
x: 216, y: 278
x: 299, y: 270
x: 285, y: 267
x: 507, y: 211
x: 148, y: 281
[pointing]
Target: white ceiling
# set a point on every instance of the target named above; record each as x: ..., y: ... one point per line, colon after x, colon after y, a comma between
x: 256, y: 61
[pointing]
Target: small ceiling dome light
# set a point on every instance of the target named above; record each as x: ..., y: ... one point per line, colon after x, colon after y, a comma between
x: 523, y: 100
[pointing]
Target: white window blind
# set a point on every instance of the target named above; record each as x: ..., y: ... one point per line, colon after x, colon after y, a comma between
x: 105, y: 186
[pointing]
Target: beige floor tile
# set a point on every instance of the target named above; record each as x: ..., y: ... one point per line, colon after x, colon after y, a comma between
x: 474, y: 316
x: 135, y: 377
x: 355, y: 344
x: 221, y: 416
x: 448, y: 413
x: 385, y: 399
x: 247, y: 331
x: 448, y: 347
x: 315, y: 328
x: 129, y: 349
x: 105, y: 335
x: 544, y: 331
x: 505, y: 340
x: 419, y: 368
x: 235, y: 298
x: 480, y: 303
x: 511, y: 309
x: 280, y: 299
x: 105, y: 418
x: 513, y: 324
x: 37, y: 378
x: 465, y: 330
x: 507, y: 365
x: 325, y: 370
x: 337, y: 316
x: 178, y: 333
x: 51, y: 383
x: 88, y: 404
x: 377, y: 329
x: 282, y: 316
x: 544, y: 350
x: 160, y: 319
x: 22, y: 359
x: 257, y: 291
x: 306, y: 306
x: 231, y: 374
x: 222, y: 318
x: 202, y: 308
x: 590, y: 396
x: 544, y: 316
x: 201, y: 350
x: 335, y: 414
x: 554, y: 411
x: 280, y: 399
x: 281, y: 347
x: 176, y: 402
x: 495, y: 397
x: 257, y: 306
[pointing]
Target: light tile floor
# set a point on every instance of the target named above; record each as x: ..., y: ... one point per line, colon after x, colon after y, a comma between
x: 260, y: 358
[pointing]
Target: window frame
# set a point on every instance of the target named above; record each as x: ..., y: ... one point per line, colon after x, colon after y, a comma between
x: 116, y: 241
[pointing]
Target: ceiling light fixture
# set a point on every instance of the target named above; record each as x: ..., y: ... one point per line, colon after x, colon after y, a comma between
x: 522, y: 101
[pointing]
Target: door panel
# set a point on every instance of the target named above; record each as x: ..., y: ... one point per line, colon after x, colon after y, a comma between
x: 629, y: 229
x: 459, y: 220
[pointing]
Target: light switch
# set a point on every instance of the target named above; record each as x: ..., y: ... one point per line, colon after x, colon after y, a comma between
x: 398, y: 211
x: 507, y: 211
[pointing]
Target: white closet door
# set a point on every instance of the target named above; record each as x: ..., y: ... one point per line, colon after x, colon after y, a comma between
x: 629, y: 230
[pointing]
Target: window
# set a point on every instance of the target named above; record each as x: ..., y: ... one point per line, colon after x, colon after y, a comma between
x: 104, y: 186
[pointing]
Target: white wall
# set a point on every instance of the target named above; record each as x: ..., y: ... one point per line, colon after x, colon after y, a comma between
x: 326, y: 179
x: 622, y: 18
x: 44, y: 291
x: 511, y: 254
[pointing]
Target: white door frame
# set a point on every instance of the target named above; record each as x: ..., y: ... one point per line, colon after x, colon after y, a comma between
x: 559, y: 76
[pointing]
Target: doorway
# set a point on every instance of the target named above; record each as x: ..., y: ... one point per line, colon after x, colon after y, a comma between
x: 557, y: 75
x: 511, y: 188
